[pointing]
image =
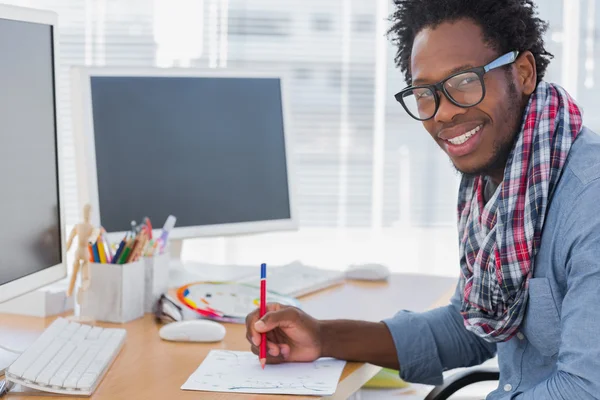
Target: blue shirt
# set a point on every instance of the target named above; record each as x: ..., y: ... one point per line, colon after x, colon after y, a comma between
x: 556, y: 354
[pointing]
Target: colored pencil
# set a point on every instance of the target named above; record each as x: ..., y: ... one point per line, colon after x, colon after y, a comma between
x: 101, y: 252
x: 96, y: 254
x: 119, y: 251
x: 91, y: 251
x: 263, y: 311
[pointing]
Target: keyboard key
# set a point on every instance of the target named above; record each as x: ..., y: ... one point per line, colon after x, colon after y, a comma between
x: 109, y: 349
x: 63, y: 372
x: 19, y: 367
x: 87, y: 380
x: 70, y: 330
x: 94, y: 333
x: 48, y: 372
x: 81, y: 333
x: 44, y: 359
x: 80, y: 367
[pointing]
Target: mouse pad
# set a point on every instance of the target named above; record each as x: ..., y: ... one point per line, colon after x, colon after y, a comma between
x: 226, y: 301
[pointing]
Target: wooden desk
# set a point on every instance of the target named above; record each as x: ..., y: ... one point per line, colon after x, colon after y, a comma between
x: 149, y: 368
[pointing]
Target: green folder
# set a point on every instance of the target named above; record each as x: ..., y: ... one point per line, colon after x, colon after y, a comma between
x: 386, y: 379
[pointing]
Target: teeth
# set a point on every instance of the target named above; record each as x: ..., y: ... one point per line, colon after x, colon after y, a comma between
x: 463, y: 138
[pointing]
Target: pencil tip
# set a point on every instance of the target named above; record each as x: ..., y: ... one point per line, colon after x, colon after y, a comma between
x: 263, y: 361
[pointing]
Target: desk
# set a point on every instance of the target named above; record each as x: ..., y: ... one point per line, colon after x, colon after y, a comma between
x: 149, y: 368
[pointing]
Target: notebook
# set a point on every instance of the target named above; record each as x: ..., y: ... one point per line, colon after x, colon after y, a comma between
x: 240, y: 372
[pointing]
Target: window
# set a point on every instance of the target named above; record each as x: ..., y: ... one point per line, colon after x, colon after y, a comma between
x: 363, y: 23
x: 335, y: 78
x: 258, y: 23
x: 361, y: 197
x: 302, y: 74
x: 322, y: 23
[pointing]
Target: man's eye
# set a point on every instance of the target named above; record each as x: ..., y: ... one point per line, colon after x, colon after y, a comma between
x: 424, y: 95
x: 467, y: 81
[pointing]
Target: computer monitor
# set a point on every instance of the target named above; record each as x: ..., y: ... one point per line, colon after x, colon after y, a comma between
x: 209, y: 147
x: 32, y: 252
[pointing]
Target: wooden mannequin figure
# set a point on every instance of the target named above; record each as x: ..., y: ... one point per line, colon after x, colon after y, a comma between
x: 86, y: 233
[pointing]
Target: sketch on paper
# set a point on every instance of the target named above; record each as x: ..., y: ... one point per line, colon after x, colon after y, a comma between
x: 238, y: 371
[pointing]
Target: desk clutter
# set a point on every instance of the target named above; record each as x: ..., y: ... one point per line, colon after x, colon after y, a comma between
x: 137, y: 243
x: 122, y: 281
x: 226, y: 301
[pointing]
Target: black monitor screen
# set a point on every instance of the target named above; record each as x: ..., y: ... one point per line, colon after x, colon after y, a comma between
x: 30, y: 236
x: 207, y: 150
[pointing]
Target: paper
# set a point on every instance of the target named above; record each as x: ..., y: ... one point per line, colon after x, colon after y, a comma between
x: 240, y: 372
x: 227, y: 302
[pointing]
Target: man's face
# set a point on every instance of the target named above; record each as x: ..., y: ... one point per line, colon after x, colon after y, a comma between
x: 493, y: 123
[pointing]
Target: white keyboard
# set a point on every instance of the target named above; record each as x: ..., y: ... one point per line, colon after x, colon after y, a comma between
x: 297, y: 279
x: 67, y: 358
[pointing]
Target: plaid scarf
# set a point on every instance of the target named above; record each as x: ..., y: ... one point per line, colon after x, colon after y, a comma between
x: 499, y: 240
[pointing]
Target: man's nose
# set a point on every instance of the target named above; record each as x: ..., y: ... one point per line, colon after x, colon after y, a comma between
x: 447, y: 110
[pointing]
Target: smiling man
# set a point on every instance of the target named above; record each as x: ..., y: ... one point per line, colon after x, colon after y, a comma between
x: 528, y: 214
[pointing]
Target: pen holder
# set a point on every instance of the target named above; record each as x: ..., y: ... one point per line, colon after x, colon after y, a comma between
x: 115, y: 293
x: 156, y: 278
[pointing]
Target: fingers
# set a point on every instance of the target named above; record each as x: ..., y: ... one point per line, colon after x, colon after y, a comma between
x: 282, y: 318
x: 275, y: 307
x: 277, y: 350
x: 252, y: 335
x: 271, y: 359
x: 284, y: 350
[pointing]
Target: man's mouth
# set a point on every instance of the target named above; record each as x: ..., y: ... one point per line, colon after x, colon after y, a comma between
x: 459, y: 144
x: 464, y: 137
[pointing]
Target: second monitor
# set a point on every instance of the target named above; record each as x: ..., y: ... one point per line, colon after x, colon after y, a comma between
x: 209, y: 148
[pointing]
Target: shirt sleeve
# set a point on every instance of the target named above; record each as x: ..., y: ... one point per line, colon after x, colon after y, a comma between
x: 429, y: 343
x: 578, y: 365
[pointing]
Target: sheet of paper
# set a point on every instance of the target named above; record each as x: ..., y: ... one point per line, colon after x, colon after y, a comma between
x: 240, y: 372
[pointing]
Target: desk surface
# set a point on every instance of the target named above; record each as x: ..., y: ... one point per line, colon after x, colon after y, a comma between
x: 149, y: 368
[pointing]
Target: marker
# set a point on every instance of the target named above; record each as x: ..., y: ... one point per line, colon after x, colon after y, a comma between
x: 169, y: 224
x: 96, y: 254
x: 117, y: 256
x: 125, y: 252
x: 107, y: 247
x: 149, y: 226
x: 91, y: 251
x: 101, y: 252
x: 263, y: 311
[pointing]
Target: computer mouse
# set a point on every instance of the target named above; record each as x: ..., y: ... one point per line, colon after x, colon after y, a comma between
x: 368, y: 272
x: 198, y: 330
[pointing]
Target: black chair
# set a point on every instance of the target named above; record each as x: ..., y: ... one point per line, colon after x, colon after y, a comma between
x: 459, y: 380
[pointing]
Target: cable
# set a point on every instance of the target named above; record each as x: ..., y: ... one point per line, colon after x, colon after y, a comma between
x: 11, y: 350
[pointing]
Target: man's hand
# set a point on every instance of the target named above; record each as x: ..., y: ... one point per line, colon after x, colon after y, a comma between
x: 292, y: 335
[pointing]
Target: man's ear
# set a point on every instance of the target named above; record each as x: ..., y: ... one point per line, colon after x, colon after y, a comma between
x: 526, y: 72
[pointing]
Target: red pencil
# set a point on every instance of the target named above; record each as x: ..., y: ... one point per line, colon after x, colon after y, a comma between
x: 263, y: 311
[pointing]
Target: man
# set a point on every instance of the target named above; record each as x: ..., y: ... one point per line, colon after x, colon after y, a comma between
x: 528, y: 214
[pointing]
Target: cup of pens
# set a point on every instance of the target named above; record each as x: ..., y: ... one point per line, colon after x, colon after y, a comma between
x: 125, y: 279
x: 113, y: 292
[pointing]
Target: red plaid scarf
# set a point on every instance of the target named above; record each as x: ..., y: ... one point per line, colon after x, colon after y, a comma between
x: 499, y: 240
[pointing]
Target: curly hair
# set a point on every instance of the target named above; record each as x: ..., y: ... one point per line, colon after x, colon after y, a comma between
x: 507, y: 25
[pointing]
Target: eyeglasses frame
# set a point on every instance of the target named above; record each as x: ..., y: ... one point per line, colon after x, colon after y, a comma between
x: 438, y: 87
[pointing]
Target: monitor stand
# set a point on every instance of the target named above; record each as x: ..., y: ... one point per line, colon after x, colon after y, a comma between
x: 183, y: 272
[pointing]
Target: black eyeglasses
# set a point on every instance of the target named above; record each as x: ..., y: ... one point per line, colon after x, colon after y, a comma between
x: 166, y: 310
x: 464, y: 89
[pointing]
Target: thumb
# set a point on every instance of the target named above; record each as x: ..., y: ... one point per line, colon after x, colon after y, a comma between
x: 274, y: 319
